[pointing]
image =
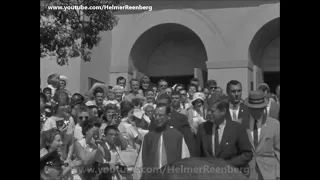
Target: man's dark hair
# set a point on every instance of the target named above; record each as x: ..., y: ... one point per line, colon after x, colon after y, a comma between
x: 152, y: 86
x: 46, y: 89
x: 176, y: 93
x: 190, y: 85
x: 49, y: 79
x: 162, y: 80
x: 222, y: 99
x: 232, y: 83
x: 211, y: 82
x: 120, y: 78
x: 134, y: 79
x: 167, y: 107
x: 136, y: 102
x: 61, y: 97
x: 108, y: 128
x: 98, y: 90
x: 125, y: 107
x: 164, y: 96
x: 76, y: 98
x: 87, y: 125
x: 194, y: 79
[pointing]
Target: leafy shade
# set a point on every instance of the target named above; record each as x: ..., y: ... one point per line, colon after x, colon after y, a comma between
x: 73, y: 32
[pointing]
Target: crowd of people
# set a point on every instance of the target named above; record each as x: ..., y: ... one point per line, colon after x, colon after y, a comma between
x: 113, y: 134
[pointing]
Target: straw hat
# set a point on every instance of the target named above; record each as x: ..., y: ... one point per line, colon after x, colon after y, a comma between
x: 256, y: 100
x: 103, y: 86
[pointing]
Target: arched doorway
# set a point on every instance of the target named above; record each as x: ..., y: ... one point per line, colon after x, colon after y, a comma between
x: 171, y: 51
x: 264, y: 52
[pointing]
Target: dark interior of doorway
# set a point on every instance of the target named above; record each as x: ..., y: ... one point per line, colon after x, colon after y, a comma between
x: 172, y: 80
x: 272, y: 79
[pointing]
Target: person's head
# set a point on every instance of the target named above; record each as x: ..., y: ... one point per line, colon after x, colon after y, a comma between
x: 109, y: 112
x: 183, y: 94
x: 89, y: 129
x: 176, y: 99
x: 135, y: 85
x: 93, y: 111
x: 197, y: 100
x: 63, y: 82
x: 278, y: 92
x: 217, y: 109
x: 195, y: 81
x: 82, y: 114
x: 178, y: 87
x: 54, y: 80
x: 162, y: 85
x: 256, y: 103
x: 51, y: 139
x: 234, y: 91
x: 136, y: 103
x: 111, y: 95
x: 47, y: 92
x: 121, y: 81
x: 110, y: 133
x: 149, y: 110
x: 161, y: 114
x: 212, y: 84
x: 61, y: 97
x: 145, y: 82
x: 98, y: 94
x: 168, y: 91
x: 219, y: 90
x: 43, y: 101
x: 118, y: 90
x: 206, y: 91
x: 154, y: 88
x: 126, y: 109
x: 150, y: 95
x: 192, y: 89
x: 265, y: 89
x: 164, y: 99
x: 51, y: 166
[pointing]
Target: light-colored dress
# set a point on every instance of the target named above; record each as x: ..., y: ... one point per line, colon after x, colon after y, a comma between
x: 129, y: 133
x: 197, y: 119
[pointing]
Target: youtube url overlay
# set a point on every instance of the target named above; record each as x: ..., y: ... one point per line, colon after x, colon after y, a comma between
x: 104, y: 7
x: 175, y: 170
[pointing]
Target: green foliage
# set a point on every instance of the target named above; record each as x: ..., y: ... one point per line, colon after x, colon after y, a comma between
x: 72, y: 32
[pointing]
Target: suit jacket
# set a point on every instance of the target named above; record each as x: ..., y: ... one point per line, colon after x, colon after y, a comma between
x: 235, y: 147
x: 267, y: 153
x: 180, y: 122
x: 243, y: 115
x: 274, y: 110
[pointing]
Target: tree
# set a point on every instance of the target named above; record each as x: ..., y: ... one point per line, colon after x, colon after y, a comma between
x: 71, y: 30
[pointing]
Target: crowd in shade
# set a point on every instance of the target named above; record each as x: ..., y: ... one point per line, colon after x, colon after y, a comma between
x: 113, y: 134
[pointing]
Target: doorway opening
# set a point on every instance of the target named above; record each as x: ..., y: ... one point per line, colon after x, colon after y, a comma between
x: 272, y: 79
x: 172, y: 80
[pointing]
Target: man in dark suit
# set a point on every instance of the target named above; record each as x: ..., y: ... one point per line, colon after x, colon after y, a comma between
x: 179, y: 122
x: 236, y: 111
x: 273, y: 108
x: 223, y: 138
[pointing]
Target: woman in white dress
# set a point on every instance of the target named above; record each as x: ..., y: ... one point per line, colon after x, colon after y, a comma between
x: 196, y: 113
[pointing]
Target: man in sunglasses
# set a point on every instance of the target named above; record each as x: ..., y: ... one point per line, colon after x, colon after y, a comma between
x: 212, y: 85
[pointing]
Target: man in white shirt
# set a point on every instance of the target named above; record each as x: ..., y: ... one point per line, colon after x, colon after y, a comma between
x: 237, y: 111
x: 264, y: 135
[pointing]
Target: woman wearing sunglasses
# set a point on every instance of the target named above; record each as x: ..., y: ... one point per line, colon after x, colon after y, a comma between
x: 82, y: 115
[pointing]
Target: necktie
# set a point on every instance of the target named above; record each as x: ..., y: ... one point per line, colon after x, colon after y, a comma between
x: 216, y: 140
x: 255, y: 134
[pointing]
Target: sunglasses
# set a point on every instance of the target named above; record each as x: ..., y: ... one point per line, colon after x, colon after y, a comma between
x: 213, y: 87
x: 163, y: 85
x: 83, y: 117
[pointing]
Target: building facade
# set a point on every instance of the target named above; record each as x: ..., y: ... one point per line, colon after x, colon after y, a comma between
x: 227, y: 40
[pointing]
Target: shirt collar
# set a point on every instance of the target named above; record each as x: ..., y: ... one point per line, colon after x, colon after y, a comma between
x: 269, y: 103
x: 231, y: 106
x: 222, y: 124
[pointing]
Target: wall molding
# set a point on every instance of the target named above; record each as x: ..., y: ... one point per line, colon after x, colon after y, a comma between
x: 229, y: 64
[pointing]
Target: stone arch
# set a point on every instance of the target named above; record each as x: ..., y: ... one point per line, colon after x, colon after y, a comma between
x: 213, y: 43
x: 256, y: 21
x: 163, y: 49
